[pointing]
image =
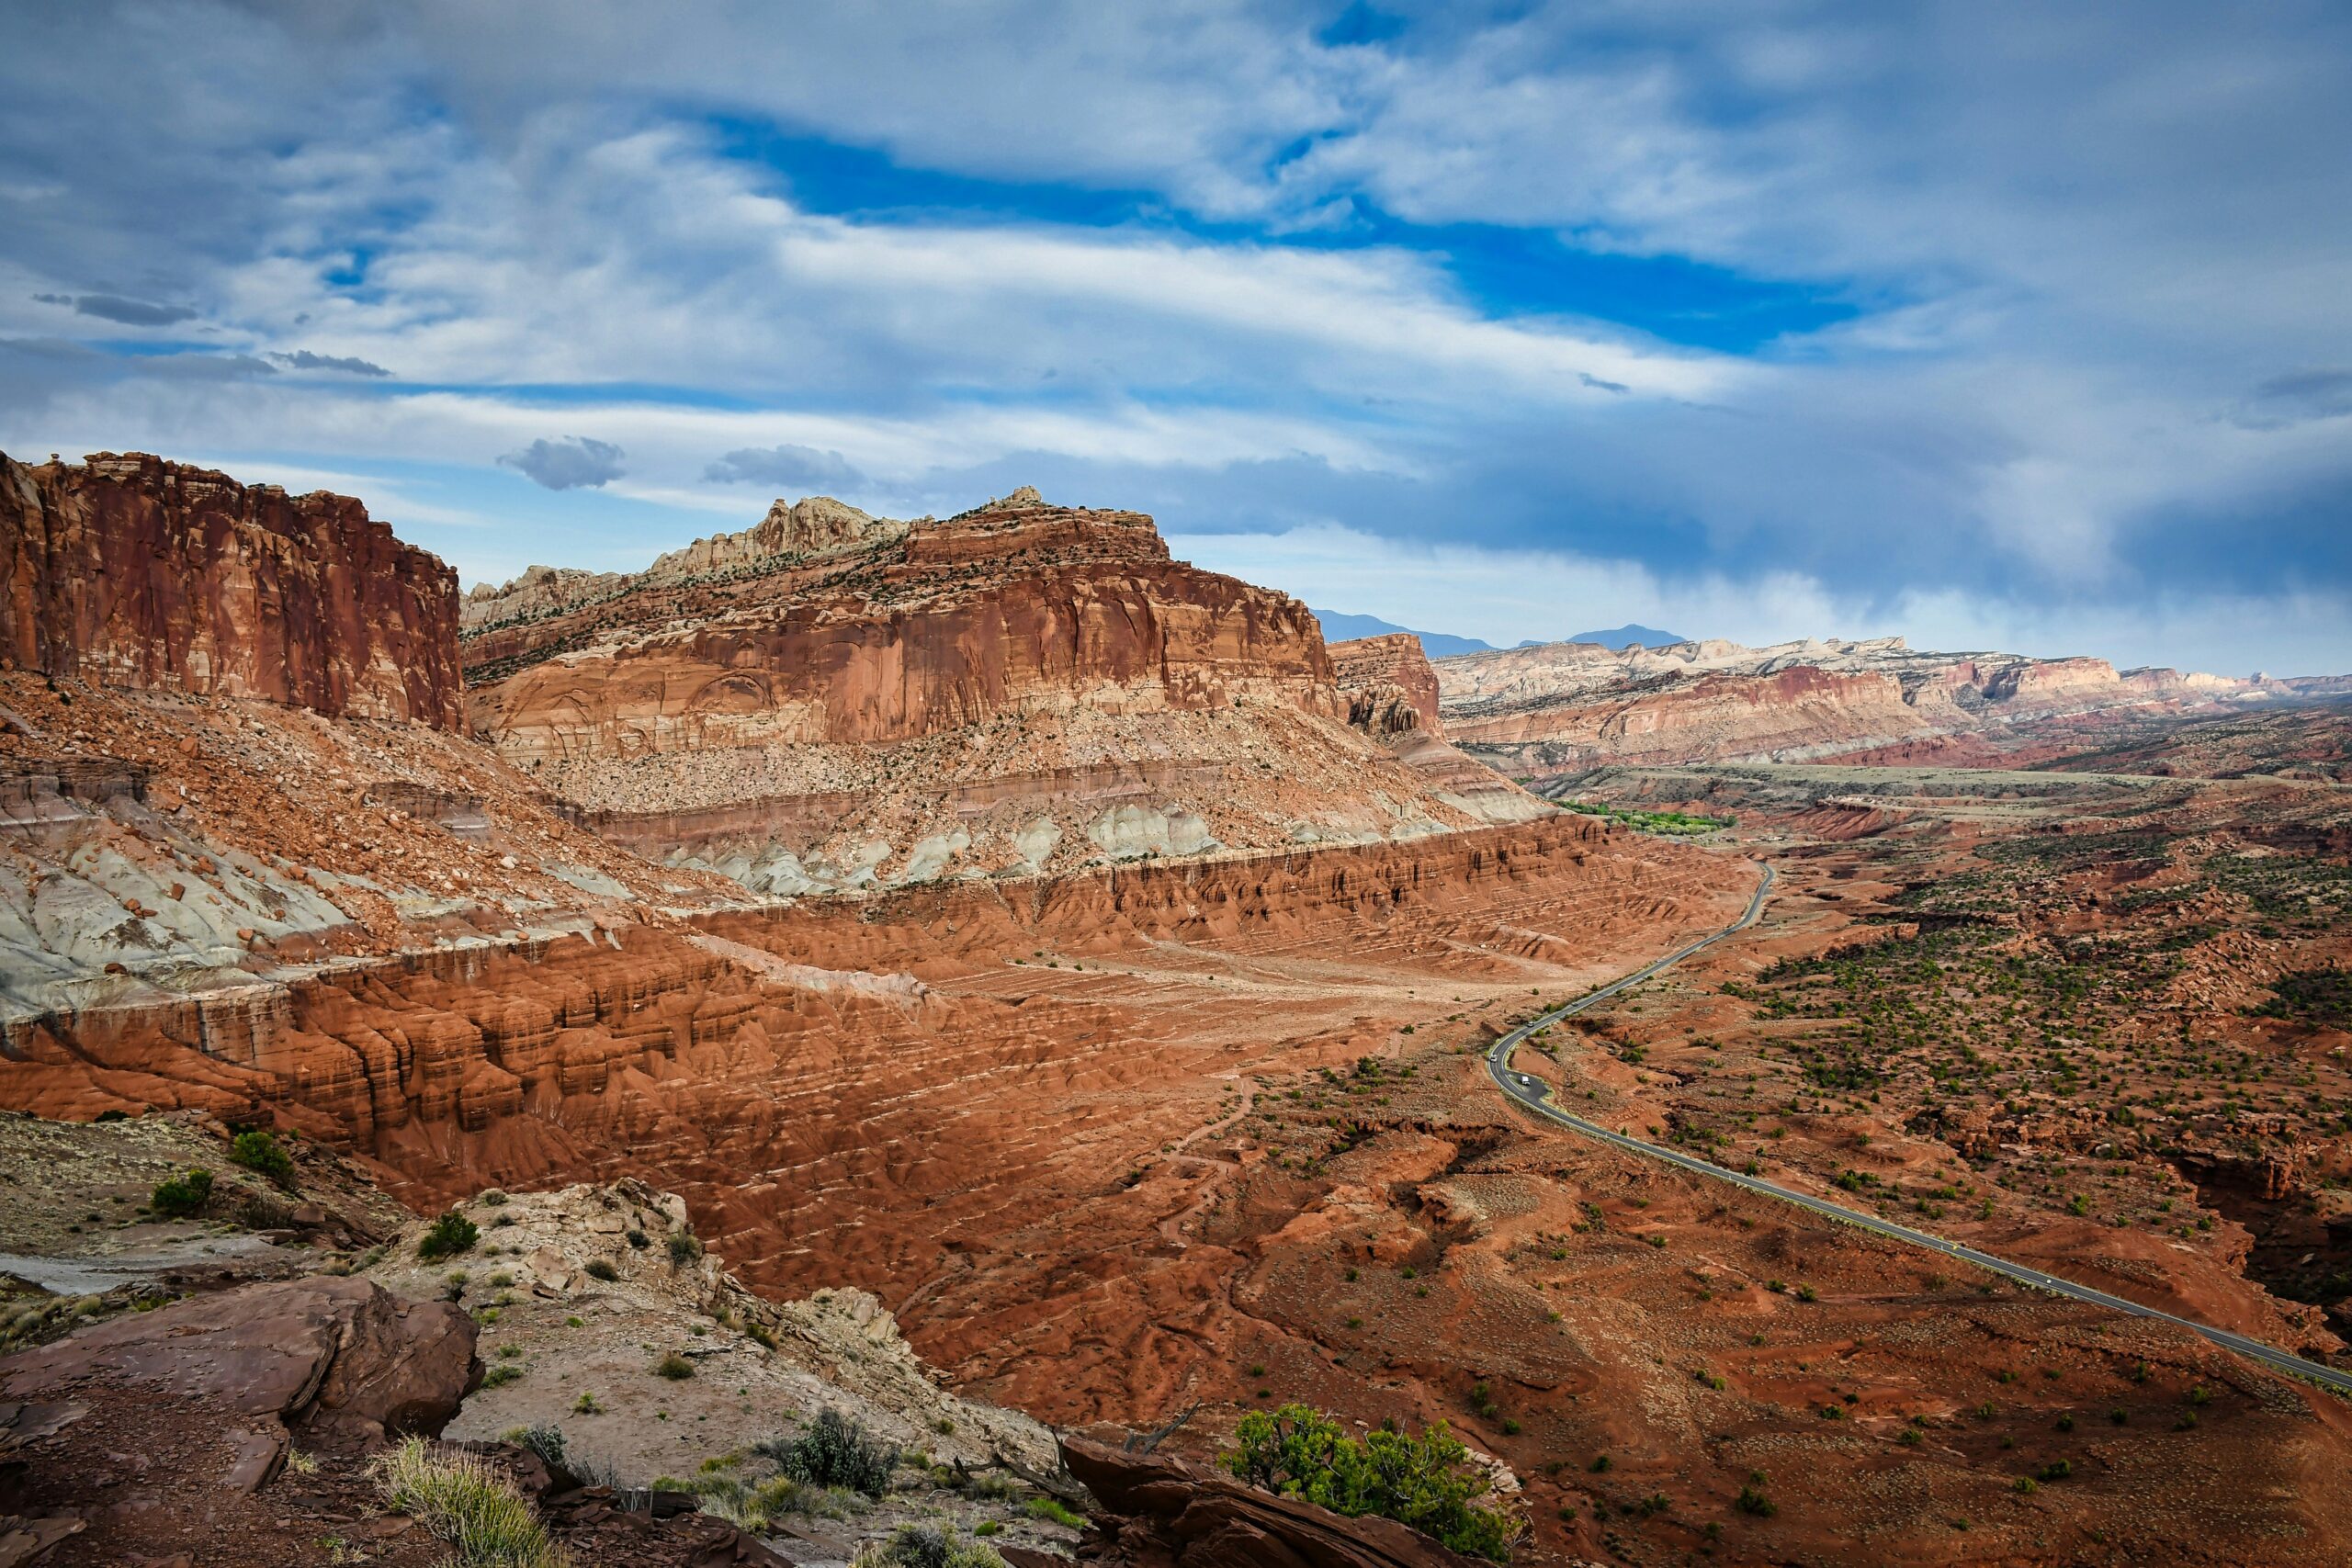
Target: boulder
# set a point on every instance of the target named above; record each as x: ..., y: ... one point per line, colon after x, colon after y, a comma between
x: 341, y: 1358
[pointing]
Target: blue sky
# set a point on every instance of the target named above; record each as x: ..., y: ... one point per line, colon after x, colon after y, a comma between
x: 1992, y: 325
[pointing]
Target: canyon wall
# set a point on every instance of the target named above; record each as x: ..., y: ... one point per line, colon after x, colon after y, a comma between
x: 133, y: 571
x: 803, y: 1071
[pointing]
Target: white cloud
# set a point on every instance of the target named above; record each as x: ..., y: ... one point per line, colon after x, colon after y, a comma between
x: 1507, y: 596
x: 2088, y: 243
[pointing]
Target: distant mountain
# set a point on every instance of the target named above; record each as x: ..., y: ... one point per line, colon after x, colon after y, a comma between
x: 1437, y: 645
x: 1618, y: 636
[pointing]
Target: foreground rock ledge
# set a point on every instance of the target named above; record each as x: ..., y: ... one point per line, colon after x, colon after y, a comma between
x: 1164, y: 1513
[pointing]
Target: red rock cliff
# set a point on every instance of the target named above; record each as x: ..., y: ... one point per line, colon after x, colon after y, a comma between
x: 1013, y: 606
x: 133, y: 571
x: 1388, y: 683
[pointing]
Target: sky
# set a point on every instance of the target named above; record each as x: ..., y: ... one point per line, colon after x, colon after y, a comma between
x: 1995, y: 325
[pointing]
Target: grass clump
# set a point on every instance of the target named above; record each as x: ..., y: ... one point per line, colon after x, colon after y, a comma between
x: 449, y: 1235
x: 927, y: 1546
x: 1054, y: 1511
x: 177, y: 1197
x: 463, y: 1501
x: 1427, y: 1483
x: 675, y: 1367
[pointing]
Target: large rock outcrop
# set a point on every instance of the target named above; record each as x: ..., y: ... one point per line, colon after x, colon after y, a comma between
x: 829, y: 700
x: 132, y: 571
x: 1388, y: 683
x: 340, y: 1357
x: 1164, y: 1513
x: 1013, y: 607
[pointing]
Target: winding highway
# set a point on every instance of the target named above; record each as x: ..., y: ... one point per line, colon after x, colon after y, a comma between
x: 1531, y: 1094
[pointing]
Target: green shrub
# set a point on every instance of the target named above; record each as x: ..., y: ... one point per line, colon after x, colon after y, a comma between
x: 177, y: 1197
x: 1427, y: 1483
x: 259, y: 1152
x: 684, y: 1247
x: 1055, y: 1512
x: 834, y: 1451
x: 599, y: 1268
x: 675, y: 1367
x: 450, y: 1234
x: 462, y: 1500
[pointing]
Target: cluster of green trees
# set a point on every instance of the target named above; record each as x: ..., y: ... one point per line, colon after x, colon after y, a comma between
x: 1425, y: 1481
x: 1651, y: 821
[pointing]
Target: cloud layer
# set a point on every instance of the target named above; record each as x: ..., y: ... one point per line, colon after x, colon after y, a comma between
x: 2017, y: 320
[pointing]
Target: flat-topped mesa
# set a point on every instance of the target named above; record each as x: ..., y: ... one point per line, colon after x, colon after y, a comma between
x: 129, y: 570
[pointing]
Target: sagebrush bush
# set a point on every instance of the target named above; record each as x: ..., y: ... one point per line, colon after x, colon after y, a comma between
x: 834, y: 1451
x: 461, y: 1499
x: 928, y: 1545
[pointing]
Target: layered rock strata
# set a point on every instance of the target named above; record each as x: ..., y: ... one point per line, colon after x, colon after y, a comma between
x: 132, y: 571
x: 1566, y: 706
x: 830, y: 701
x: 1389, y: 684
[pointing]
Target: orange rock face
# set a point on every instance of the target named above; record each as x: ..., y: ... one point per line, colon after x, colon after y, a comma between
x: 940, y: 628
x: 133, y: 571
x: 829, y: 701
x: 1389, y: 684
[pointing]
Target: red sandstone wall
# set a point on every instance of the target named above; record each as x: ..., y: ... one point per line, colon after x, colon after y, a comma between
x: 1375, y: 672
x: 133, y: 571
x: 960, y: 621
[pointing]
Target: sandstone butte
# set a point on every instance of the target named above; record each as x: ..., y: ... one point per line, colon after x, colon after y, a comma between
x: 132, y: 571
x: 832, y: 700
x: 1566, y: 706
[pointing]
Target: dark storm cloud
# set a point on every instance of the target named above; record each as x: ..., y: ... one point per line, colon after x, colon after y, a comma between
x: 2297, y: 397
x: 304, y: 359
x: 786, y: 468
x: 128, y: 313
x: 574, y: 463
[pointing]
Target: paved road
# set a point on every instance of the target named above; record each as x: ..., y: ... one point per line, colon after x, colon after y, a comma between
x: 1531, y: 1094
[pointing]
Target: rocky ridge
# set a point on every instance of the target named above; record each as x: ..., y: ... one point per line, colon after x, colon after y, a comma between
x: 1564, y: 706
x: 830, y: 701
x: 132, y: 571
